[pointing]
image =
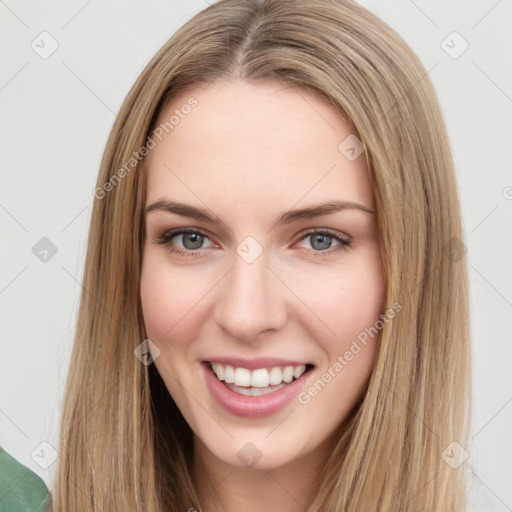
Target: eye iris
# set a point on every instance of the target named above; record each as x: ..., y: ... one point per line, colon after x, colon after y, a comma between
x: 195, y: 240
x: 325, y: 241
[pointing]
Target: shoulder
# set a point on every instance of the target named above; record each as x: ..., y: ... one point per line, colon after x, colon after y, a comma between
x: 21, y: 490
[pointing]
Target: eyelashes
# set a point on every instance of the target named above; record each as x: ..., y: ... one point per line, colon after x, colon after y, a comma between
x: 198, y: 237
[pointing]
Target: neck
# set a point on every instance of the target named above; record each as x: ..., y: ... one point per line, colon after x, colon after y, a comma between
x: 287, y: 488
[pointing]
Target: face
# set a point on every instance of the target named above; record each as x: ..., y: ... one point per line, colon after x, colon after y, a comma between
x: 245, y: 267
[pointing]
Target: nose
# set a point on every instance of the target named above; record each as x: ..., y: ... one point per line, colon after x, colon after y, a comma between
x: 250, y: 300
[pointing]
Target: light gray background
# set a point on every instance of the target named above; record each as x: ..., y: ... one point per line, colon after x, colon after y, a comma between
x: 57, y: 113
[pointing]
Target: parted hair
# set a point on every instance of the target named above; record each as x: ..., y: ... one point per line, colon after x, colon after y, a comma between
x: 124, y: 445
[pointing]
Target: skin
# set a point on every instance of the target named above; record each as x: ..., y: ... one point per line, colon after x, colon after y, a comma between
x: 247, y: 153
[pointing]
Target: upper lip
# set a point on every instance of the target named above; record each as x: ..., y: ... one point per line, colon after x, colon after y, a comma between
x: 257, y: 362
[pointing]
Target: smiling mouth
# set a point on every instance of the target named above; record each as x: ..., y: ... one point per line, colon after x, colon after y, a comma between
x: 260, y: 381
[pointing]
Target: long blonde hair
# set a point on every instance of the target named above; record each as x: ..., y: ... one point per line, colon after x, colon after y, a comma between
x: 124, y: 443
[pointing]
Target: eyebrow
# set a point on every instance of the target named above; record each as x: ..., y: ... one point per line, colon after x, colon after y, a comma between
x: 289, y: 217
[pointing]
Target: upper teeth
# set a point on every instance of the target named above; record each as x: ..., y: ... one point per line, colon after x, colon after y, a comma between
x: 260, y: 378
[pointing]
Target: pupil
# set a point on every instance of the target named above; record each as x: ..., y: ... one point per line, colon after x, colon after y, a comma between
x: 325, y: 242
x: 195, y: 241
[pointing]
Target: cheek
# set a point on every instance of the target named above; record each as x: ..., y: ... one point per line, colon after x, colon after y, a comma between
x: 360, y: 301
x: 346, y: 302
x: 172, y: 301
x: 344, y: 299
x: 356, y: 340
x: 168, y: 298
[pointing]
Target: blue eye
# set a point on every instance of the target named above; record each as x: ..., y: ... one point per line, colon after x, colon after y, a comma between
x: 192, y: 241
x: 321, y: 241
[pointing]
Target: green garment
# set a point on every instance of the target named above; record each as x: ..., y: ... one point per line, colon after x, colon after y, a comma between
x: 21, y: 490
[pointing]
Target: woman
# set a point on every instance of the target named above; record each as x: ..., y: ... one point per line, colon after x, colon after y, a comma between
x: 274, y: 312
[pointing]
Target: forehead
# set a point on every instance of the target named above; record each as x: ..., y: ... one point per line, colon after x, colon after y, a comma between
x: 254, y: 144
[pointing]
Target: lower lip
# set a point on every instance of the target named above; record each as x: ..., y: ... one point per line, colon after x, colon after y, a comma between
x: 252, y: 406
